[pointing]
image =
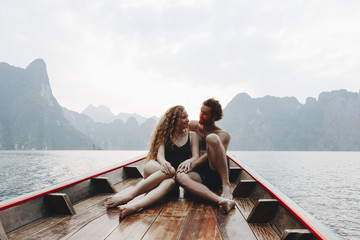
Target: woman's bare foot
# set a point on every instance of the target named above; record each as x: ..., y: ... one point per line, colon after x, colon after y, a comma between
x: 126, y: 210
x: 226, y: 205
x: 116, y: 200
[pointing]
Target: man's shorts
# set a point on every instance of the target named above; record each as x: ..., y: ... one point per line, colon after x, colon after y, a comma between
x: 210, y: 178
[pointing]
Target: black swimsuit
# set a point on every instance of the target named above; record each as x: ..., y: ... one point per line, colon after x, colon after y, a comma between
x: 176, y: 155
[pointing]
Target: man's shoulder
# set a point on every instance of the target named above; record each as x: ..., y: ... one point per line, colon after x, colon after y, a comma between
x: 224, y: 136
x: 222, y: 132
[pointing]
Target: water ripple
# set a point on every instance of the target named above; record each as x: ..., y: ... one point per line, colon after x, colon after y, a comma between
x: 325, y: 184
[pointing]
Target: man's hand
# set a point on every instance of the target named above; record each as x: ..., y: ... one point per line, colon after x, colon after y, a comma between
x: 185, y: 167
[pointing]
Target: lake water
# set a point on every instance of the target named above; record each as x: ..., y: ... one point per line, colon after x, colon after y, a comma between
x: 325, y: 184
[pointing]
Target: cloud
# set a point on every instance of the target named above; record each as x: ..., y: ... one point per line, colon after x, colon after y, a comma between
x: 126, y: 54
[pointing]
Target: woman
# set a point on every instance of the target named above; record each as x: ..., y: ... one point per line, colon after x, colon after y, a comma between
x: 172, y: 147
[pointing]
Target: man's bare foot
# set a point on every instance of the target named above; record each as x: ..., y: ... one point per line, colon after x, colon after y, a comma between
x: 226, y: 192
x: 226, y: 205
x: 116, y: 200
x: 126, y: 210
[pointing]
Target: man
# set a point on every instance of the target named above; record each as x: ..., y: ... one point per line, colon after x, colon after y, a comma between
x: 197, y: 176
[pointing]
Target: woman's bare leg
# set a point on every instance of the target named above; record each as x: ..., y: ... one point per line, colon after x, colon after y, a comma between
x: 150, y: 198
x: 153, y: 177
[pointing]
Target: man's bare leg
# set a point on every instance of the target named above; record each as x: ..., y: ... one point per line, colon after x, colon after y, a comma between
x: 218, y: 162
x: 150, y: 198
x: 192, y: 183
x: 153, y: 177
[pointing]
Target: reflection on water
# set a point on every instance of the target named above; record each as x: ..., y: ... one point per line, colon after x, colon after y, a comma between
x: 27, y: 171
x: 325, y: 184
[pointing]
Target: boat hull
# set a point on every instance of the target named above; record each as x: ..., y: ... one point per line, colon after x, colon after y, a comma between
x: 262, y: 211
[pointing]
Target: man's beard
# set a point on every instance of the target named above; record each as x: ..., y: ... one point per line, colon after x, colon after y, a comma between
x: 205, y: 122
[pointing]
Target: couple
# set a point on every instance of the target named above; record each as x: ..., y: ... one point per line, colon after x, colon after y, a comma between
x: 174, y: 156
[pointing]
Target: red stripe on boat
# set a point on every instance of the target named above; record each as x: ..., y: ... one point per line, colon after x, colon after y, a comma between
x: 25, y: 198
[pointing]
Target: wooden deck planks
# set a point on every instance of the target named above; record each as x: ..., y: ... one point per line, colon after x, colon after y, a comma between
x: 200, y: 224
x: 71, y: 225
x: 245, y: 206
x: 57, y: 227
x: 127, y: 183
x: 3, y: 235
x: 263, y: 231
x: 169, y: 222
x: 84, y: 205
x: 29, y: 232
x: 165, y: 227
x: 48, y: 223
x: 133, y: 227
x: 176, y: 207
x: 99, y: 228
x: 169, y: 219
x: 63, y: 227
x: 90, y: 202
x: 217, y: 234
x: 136, y: 225
x: 233, y: 225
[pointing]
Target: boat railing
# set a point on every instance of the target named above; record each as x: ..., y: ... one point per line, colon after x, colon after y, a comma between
x: 36, y: 194
x: 319, y: 230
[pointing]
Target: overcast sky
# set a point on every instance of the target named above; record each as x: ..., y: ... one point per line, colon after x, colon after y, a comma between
x: 144, y: 56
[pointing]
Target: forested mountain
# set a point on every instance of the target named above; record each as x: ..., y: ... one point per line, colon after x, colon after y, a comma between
x: 103, y: 114
x: 30, y: 116
x: 271, y: 123
x: 116, y: 135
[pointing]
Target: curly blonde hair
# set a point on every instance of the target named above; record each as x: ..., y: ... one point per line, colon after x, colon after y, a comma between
x: 166, y: 128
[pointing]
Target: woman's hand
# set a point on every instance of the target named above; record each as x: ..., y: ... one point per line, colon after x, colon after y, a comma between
x: 184, y: 167
x: 167, y: 168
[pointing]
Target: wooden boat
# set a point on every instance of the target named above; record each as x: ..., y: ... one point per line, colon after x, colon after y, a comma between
x: 75, y: 210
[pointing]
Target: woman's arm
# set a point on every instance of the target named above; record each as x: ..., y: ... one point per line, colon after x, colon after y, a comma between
x: 161, y: 154
x: 194, y: 142
x: 165, y: 165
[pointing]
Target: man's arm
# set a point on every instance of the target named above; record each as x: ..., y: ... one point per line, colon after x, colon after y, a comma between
x: 198, y: 162
x: 193, y: 125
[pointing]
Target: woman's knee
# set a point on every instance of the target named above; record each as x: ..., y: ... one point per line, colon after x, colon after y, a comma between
x: 153, y: 166
x: 172, y: 172
x: 182, y: 178
x: 169, y: 183
x: 150, y: 167
x: 212, y: 140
